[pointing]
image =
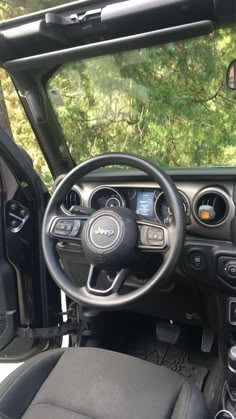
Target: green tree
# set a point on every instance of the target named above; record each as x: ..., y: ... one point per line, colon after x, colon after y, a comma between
x: 169, y: 103
x: 13, y: 8
x: 12, y: 116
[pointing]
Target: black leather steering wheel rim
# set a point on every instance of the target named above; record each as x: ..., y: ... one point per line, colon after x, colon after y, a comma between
x: 115, y: 300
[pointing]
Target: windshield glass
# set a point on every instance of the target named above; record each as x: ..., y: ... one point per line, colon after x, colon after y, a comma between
x: 169, y: 104
x: 14, y: 8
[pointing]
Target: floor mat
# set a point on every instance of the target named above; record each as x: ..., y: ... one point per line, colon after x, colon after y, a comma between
x: 142, y: 343
x: 176, y: 359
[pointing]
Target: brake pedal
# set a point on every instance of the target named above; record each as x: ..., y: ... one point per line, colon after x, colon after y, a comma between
x: 207, y: 340
x: 168, y: 333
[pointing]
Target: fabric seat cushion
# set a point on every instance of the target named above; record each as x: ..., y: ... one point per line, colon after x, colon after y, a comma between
x: 92, y: 383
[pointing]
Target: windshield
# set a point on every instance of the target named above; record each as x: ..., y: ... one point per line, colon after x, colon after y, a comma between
x: 14, y: 8
x: 169, y: 104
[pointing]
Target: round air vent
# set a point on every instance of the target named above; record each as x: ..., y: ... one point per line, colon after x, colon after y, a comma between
x: 71, y: 199
x: 211, y: 207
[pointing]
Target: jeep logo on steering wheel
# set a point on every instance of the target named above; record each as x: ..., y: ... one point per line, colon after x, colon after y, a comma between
x: 104, y: 232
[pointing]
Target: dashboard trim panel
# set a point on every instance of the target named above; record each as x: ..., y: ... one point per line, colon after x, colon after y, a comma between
x: 189, y: 181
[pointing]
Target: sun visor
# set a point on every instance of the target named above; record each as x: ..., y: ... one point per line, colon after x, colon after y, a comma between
x: 142, y: 15
x: 135, y: 16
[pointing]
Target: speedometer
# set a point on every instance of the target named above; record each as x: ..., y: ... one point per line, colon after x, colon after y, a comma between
x: 163, y: 211
x: 106, y: 197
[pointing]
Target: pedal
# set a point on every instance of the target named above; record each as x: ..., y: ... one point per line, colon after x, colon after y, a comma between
x: 207, y: 340
x: 168, y: 333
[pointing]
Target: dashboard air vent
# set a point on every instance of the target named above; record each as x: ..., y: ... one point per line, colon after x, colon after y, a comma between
x: 71, y: 199
x: 211, y: 207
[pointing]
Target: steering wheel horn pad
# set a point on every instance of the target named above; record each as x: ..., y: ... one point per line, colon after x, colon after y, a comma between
x: 109, y: 238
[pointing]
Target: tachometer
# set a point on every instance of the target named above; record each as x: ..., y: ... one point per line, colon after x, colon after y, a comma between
x: 163, y: 211
x: 106, y: 196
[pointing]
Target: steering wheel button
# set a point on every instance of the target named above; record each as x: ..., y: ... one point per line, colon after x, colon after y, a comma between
x: 60, y: 225
x: 74, y: 232
x: 60, y: 232
x: 156, y: 243
x: 63, y: 228
x: 76, y: 228
x: 156, y: 234
x: 159, y: 235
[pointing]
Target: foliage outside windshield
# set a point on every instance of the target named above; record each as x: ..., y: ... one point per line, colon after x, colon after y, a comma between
x: 12, y: 116
x: 14, y: 8
x: 169, y: 104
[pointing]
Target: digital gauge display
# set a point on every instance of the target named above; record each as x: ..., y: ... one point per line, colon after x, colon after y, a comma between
x: 145, y: 203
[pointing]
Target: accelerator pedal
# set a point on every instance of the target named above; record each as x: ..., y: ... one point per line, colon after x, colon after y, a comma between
x: 207, y: 340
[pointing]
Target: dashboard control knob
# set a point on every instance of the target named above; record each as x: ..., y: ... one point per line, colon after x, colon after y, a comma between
x: 230, y: 268
x: 232, y: 358
x: 231, y: 378
x: 197, y: 260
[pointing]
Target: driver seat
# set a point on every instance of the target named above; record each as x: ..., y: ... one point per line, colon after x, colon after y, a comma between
x: 90, y: 383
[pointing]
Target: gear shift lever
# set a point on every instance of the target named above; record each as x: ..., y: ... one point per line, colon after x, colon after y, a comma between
x: 228, y: 398
x: 231, y: 378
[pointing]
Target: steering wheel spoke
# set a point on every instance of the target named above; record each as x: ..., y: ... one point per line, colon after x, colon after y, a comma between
x: 153, y: 237
x: 116, y: 284
x: 67, y: 228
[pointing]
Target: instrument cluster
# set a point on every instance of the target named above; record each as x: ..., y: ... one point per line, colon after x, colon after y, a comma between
x: 147, y: 202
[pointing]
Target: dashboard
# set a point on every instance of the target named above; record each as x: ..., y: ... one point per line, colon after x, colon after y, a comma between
x: 109, y: 188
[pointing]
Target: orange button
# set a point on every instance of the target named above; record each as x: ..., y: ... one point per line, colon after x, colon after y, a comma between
x: 205, y: 215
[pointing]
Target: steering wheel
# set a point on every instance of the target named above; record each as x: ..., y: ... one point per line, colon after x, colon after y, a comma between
x: 112, y: 238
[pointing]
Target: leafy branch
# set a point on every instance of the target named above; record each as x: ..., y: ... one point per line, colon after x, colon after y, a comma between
x: 209, y: 98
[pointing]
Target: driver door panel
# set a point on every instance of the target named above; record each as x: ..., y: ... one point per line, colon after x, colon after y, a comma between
x: 26, y: 289
x: 8, y: 298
